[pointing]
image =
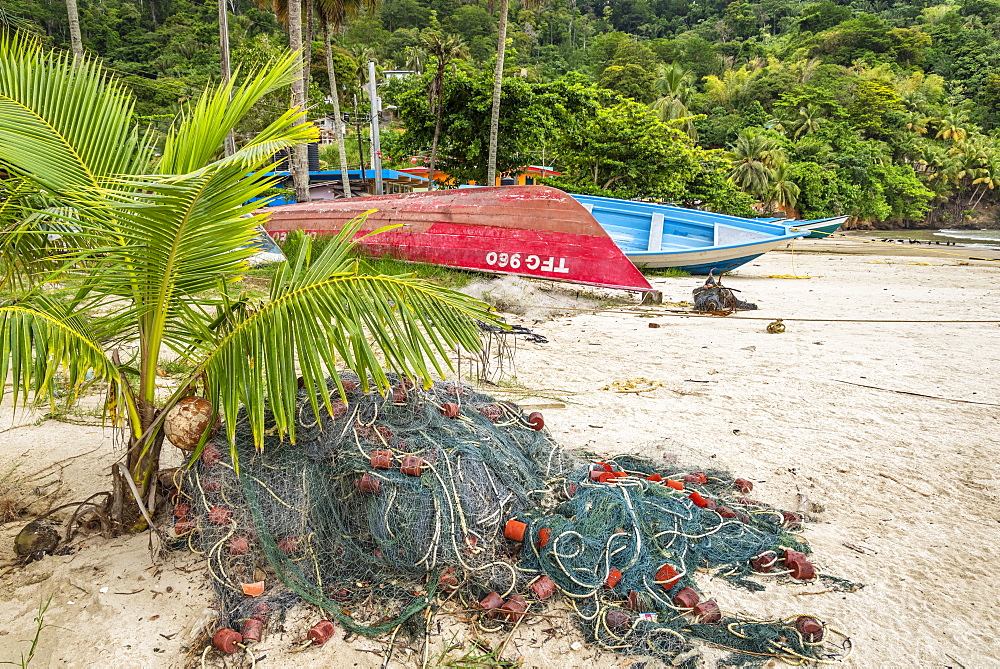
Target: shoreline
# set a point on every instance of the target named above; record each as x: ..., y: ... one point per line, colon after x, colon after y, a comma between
x: 849, y: 245
x: 901, y: 486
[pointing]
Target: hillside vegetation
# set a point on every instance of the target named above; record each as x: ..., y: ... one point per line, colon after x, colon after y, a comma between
x: 885, y: 111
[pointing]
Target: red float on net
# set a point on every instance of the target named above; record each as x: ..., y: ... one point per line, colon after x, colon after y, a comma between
x: 544, y: 588
x: 707, y: 612
x: 667, y: 576
x: 321, y: 632
x: 514, y: 530
x: 686, y: 598
x: 226, y: 639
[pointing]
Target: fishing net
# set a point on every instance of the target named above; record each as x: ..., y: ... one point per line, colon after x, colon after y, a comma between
x: 374, y: 508
x: 712, y: 297
x: 397, y: 504
x: 625, y: 547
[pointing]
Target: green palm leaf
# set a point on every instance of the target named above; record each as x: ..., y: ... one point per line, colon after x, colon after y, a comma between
x: 175, y: 243
x: 323, y: 315
x: 197, y: 140
x: 41, y: 337
x: 66, y: 126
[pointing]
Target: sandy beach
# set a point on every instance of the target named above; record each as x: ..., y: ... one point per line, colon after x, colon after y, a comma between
x: 877, y: 411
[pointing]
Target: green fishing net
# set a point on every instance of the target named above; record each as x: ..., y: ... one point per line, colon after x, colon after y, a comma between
x: 396, y: 504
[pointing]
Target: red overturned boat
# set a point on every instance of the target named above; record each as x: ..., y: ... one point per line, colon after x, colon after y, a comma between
x: 533, y: 231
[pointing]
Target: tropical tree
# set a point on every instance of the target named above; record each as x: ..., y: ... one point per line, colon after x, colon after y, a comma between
x: 165, y: 237
x: 414, y: 58
x: 808, y: 121
x: 953, y: 125
x: 224, y: 61
x: 754, y: 156
x: 491, y: 159
x: 783, y: 191
x: 676, y: 89
x: 444, y: 50
x: 732, y: 90
x: 916, y: 122
x: 290, y: 11
x: 626, y: 149
x: 988, y: 177
x: 335, y: 14
x: 340, y: 132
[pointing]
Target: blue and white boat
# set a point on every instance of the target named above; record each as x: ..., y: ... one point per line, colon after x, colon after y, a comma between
x: 819, y: 228
x: 657, y: 236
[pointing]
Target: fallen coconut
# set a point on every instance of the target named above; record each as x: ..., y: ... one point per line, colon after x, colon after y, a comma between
x: 37, y: 536
x: 187, y: 421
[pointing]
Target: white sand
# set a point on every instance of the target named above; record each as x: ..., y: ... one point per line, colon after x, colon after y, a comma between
x: 910, y: 482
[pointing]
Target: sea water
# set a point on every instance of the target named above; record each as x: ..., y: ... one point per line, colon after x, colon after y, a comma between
x: 972, y: 238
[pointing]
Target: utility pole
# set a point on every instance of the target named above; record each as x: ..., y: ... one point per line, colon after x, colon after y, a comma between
x: 376, y: 117
x: 230, y: 145
x: 361, y: 150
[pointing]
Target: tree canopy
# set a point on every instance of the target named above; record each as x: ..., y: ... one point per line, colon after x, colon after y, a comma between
x: 919, y: 84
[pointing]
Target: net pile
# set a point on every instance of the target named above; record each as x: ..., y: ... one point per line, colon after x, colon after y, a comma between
x: 376, y: 508
x: 396, y: 504
x: 626, y: 544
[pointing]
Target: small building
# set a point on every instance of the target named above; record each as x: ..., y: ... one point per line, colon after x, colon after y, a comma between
x: 525, y: 176
x: 326, y: 184
x: 397, y: 74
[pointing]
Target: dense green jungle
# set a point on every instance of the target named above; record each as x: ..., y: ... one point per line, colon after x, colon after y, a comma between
x: 887, y: 111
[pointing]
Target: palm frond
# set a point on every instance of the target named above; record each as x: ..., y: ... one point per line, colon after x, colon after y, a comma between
x: 175, y: 243
x: 44, y: 342
x: 197, y: 140
x: 325, y: 314
x: 65, y: 125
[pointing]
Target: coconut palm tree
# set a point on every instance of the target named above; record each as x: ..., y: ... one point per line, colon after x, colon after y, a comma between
x: 754, y: 156
x: 809, y: 120
x: 165, y: 238
x: 953, y: 124
x: 224, y: 61
x: 732, y: 89
x: 300, y: 153
x: 290, y: 11
x: 336, y: 13
x: 414, y: 58
x: 675, y: 87
x: 444, y: 50
x: 491, y: 160
x: 989, y: 176
x: 917, y: 122
x: 340, y: 134
x: 783, y: 191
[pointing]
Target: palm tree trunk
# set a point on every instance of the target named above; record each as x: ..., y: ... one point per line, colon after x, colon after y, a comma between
x: 300, y: 152
x: 491, y: 161
x: 981, y: 192
x: 307, y: 69
x: 439, y: 87
x: 75, y: 40
x: 338, y: 122
x: 230, y: 147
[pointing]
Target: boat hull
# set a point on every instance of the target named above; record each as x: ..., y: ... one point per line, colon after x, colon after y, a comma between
x: 659, y: 236
x: 705, y: 261
x: 530, y: 231
x: 820, y: 229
